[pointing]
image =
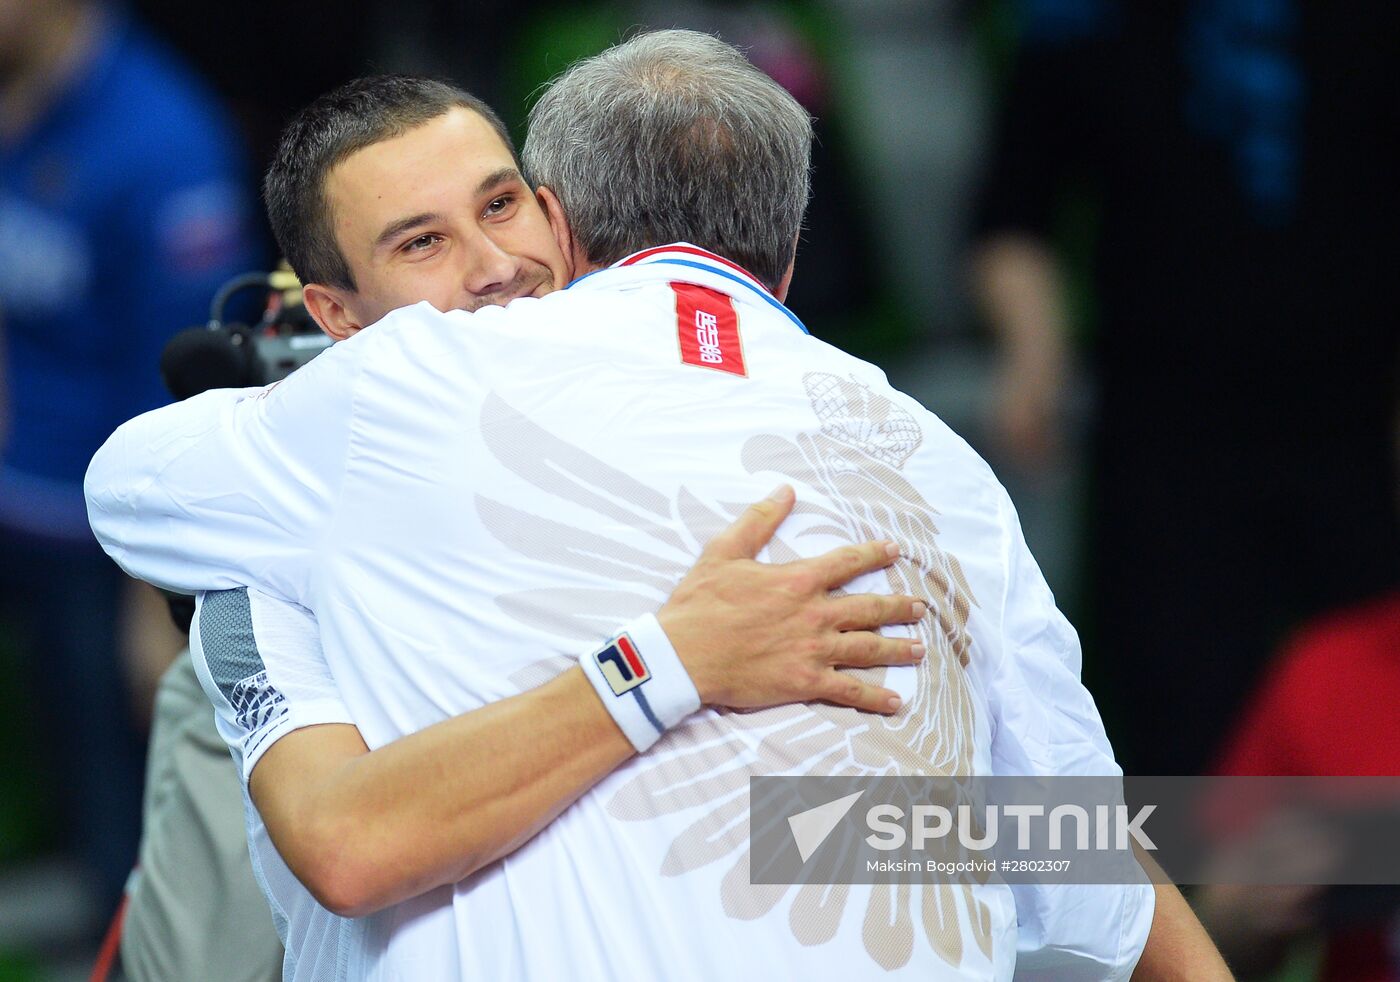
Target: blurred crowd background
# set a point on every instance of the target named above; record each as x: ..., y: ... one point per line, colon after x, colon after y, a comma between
x: 1141, y: 255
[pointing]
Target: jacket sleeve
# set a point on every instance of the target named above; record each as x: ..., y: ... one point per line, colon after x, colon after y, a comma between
x: 1046, y: 723
x: 233, y: 487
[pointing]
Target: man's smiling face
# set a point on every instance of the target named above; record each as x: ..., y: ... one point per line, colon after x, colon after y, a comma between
x: 439, y: 213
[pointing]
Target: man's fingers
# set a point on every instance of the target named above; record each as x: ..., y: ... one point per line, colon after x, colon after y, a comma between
x: 866, y: 649
x: 751, y: 531
x: 845, y: 690
x: 839, y: 566
x: 867, y: 611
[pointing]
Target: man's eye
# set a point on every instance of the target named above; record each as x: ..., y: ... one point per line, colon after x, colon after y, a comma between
x: 421, y: 243
x: 500, y: 205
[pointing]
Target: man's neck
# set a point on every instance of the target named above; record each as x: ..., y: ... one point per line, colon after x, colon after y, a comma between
x: 580, y: 264
x: 43, y: 63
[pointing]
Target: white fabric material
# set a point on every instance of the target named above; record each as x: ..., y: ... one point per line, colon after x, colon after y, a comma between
x: 647, y: 710
x: 470, y: 501
x: 286, y: 687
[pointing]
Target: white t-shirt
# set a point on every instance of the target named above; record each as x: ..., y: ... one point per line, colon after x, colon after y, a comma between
x: 469, y: 501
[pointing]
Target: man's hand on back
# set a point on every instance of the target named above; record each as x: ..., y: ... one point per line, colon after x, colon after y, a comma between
x: 756, y: 634
x: 364, y: 829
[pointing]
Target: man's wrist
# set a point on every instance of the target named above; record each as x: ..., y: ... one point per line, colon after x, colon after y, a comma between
x: 641, y: 681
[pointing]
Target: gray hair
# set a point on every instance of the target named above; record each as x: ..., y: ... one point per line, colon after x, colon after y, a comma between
x: 674, y: 136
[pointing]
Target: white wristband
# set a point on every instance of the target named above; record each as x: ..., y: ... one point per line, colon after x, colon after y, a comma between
x: 642, y: 682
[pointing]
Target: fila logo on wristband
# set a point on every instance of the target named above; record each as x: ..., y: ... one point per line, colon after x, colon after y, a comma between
x: 621, y: 665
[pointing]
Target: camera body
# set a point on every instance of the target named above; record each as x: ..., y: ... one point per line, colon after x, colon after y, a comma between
x: 274, y: 351
x: 223, y: 355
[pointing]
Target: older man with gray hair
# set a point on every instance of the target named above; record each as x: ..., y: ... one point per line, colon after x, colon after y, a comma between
x: 643, y: 148
x: 461, y: 497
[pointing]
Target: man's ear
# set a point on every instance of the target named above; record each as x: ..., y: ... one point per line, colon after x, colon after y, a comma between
x: 326, y: 305
x: 559, y: 225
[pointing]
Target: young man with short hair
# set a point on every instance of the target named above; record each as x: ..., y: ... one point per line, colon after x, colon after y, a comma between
x: 448, y: 480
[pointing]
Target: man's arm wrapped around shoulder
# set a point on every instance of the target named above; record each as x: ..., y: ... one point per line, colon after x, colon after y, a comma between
x: 364, y: 829
x: 228, y: 488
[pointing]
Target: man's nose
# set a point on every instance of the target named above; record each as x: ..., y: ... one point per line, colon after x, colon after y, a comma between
x: 490, y: 269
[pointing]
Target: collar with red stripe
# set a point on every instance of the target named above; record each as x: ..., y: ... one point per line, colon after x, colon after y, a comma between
x: 686, y: 255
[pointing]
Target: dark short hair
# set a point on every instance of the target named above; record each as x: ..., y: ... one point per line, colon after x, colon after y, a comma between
x: 345, y: 120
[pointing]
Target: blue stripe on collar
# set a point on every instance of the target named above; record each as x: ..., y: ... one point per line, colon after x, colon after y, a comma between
x: 761, y: 293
